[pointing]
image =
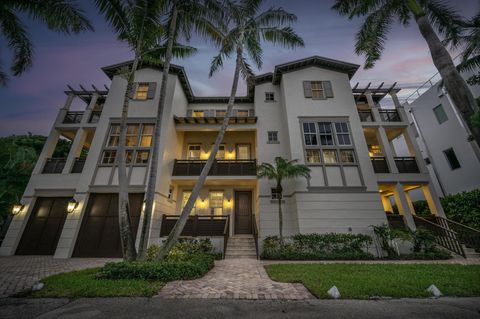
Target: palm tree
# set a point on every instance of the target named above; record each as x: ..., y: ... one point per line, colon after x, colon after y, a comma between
x: 183, y: 15
x: 60, y: 16
x: 430, y: 15
x: 283, y: 169
x: 239, y: 32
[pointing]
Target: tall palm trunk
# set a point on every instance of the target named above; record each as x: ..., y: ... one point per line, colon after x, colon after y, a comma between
x: 180, y: 224
x: 152, y: 177
x: 280, y: 214
x: 454, y: 83
x: 124, y: 222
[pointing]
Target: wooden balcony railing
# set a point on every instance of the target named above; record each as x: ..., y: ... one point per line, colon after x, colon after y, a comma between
x: 219, y: 168
x: 78, y: 165
x: 73, y: 117
x: 389, y: 116
x: 54, y: 165
x: 380, y: 165
x: 366, y: 116
x: 407, y: 165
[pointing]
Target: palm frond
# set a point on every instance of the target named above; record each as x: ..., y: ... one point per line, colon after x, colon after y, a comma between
x: 216, y: 64
x: 156, y: 55
x: 254, y: 49
x: 275, y: 17
x: 470, y: 64
x: 284, y: 36
x: 116, y: 15
x: 443, y: 18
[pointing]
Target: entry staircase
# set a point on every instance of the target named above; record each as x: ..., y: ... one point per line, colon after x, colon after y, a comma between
x: 241, y: 246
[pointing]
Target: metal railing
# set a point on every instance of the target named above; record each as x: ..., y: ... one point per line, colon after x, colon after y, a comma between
x: 468, y: 236
x: 73, y: 117
x: 226, y: 235
x: 78, y: 165
x: 366, y: 116
x: 255, y: 234
x: 54, y: 165
x: 407, y: 164
x: 389, y: 115
x: 197, y: 225
x: 219, y: 167
x: 444, y: 236
x: 380, y: 165
x: 396, y: 221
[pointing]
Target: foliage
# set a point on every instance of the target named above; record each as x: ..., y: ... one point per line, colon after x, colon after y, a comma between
x: 386, y: 237
x: 423, y: 241
x: 474, y: 80
x: 183, y: 249
x: 436, y: 254
x: 317, y: 247
x: 463, y: 208
x: 361, y: 281
x: 84, y: 284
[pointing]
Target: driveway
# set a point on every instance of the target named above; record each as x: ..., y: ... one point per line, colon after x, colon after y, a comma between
x: 18, y: 273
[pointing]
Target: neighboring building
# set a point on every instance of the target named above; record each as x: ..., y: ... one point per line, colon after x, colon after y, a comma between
x: 452, y: 158
x: 304, y: 110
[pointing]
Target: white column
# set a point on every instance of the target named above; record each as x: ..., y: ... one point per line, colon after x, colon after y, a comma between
x: 394, y: 97
x: 387, y: 150
x: 89, y: 109
x: 370, y: 101
x: 433, y: 200
x: 414, y: 149
x: 403, y: 206
x: 410, y: 202
x: 47, y: 151
x: 15, y: 230
x: 75, y: 150
x: 387, y: 205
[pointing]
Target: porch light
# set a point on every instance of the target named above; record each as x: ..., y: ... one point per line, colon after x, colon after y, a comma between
x: 72, y: 204
x: 17, y: 208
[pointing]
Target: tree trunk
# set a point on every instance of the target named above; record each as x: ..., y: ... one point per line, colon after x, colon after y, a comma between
x: 124, y: 222
x: 280, y: 214
x: 180, y: 224
x: 152, y: 177
x: 454, y: 83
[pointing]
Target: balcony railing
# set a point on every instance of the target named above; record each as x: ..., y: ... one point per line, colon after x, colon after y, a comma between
x: 366, y: 116
x: 73, y: 117
x: 380, y: 164
x: 406, y: 165
x: 54, y: 165
x: 94, y: 116
x: 219, y: 168
x: 389, y: 116
x: 198, y: 225
x: 78, y: 165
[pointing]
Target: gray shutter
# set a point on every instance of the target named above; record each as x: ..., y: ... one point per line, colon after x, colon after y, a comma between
x: 307, y: 89
x: 131, y: 94
x: 189, y: 113
x: 152, y: 86
x: 251, y: 112
x: 327, y: 86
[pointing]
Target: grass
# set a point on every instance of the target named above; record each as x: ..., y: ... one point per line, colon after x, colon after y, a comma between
x: 361, y: 281
x: 77, y: 284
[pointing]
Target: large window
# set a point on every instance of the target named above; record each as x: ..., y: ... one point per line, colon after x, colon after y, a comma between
x: 313, y: 156
x: 194, y: 152
x: 440, y: 114
x: 141, y: 93
x: 326, y: 134
x: 243, y: 151
x: 310, y: 134
x: 343, y: 135
x: 221, y: 152
x: 147, y: 135
x: 216, y: 202
x: 452, y: 158
x: 317, y: 90
x: 185, y: 197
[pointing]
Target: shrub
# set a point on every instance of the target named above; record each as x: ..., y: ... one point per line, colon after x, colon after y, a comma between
x: 318, y: 247
x: 463, y: 208
x: 183, y: 249
x: 423, y: 241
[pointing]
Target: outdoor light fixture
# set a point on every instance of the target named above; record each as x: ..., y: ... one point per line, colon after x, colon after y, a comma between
x: 17, y: 208
x: 72, y: 204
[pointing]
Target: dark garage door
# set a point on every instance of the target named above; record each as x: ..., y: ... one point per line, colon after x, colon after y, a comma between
x: 99, y: 235
x: 44, y: 226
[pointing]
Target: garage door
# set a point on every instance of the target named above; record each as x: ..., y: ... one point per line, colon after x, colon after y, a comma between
x: 44, y: 226
x: 99, y: 235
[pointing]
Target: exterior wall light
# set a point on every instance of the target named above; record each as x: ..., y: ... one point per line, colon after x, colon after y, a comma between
x: 72, y: 204
x: 17, y: 208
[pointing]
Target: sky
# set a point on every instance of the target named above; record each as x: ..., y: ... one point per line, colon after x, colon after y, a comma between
x: 30, y: 102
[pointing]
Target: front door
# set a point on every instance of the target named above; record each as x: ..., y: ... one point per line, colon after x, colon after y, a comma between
x: 243, y: 212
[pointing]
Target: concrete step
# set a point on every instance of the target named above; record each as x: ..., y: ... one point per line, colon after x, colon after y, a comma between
x: 240, y: 257
x: 241, y: 245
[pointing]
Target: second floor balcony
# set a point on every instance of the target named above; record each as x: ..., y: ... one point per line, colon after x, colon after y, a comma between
x: 366, y: 115
x: 219, y: 168
x: 405, y: 165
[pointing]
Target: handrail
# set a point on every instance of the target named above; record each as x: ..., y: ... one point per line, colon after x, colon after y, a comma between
x: 443, y: 236
x: 255, y: 234
x: 226, y: 235
x: 466, y: 235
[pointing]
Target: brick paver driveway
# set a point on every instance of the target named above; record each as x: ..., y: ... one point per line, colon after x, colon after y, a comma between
x: 235, y: 279
x: 18, y: 273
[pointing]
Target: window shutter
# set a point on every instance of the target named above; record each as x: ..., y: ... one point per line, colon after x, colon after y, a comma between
x: 131, y: 94
x: 251, y: 112
x: 189, y: 113
x: 307, y: 88
x: 152, y: 86
x: 327, y: 87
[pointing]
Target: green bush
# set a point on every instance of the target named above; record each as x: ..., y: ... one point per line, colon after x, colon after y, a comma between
x: 330, y: 246
x: 463, y: 208
x: 196, y: 266
x: 183, y: 249
x: 435, y: 254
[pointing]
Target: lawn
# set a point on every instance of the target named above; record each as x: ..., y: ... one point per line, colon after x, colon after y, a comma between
x: 77, y: 284
x: 361, y: 281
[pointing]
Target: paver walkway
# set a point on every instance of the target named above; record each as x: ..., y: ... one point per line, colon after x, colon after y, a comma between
x: 235, y: 279
x: 18, y: 273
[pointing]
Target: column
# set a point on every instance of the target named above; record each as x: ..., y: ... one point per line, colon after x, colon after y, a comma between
x: 414, y: 149
x: 403, y: 206
x: 433, y: 200
x: 370, y: 101
x: 410, y: 202
x: 395, y: 99
x: 89, y: 109
x: 15, y: 230
x: 47, y: 151
x: 387, y: 150
x: 387, y: 205
x: 75, y: 150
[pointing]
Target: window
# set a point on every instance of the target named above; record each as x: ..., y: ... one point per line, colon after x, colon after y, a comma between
x: 198, y: 113
x: 243, y: 151
x: 347, y: 156
x: 276, y: 194
x: 221, y: 152
x: 185, y: 197
x: 317, y: 90
x: 220, y: 113
x: 216, y: 202
x: 142, y: 157
x: 452, y: 159
x: 132, y: 135
x: 147, y: 135
x: 269, y: 97
x: 272, y: 136
x: 313, y: 156
x: 141, y: 93
x: 325, y: 130
x: 114, y: 135
x: 170, y: 192
x: 329, y: 156
x: 193, y: 152
x: 242, y: 113
x: 109, y: 157
x: 343, y: 136
x: 440, y: 114
x: 128, y: 156
x: 310, y: 134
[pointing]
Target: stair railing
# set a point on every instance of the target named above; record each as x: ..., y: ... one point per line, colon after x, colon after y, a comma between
x: 255, y: 234
x: 226, y: 234
x: 468, y: 236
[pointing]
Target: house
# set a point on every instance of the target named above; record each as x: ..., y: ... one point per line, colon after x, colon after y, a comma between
x: 305, y: 110
x: 453, y: 159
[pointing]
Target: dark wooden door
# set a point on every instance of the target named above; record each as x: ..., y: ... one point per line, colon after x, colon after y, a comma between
x: 243, y: 212
x: 44, y: 226
x: 99, y: 235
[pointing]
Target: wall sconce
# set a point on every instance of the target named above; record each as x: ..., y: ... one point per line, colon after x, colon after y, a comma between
x: 72, y: 205
x: 17, y: 208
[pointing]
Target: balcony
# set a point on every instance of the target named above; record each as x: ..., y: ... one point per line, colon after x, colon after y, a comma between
x: 73, y: 117
x: 380, y: 165
x: 215, y: 120
x: 219, y: 168
x: 389, y: 116
x: 366, y: 116
x: 198, y: 225
x: 54, y: 165
x: 406, y: 165
x: 94, y: 117
x: 78, y: 165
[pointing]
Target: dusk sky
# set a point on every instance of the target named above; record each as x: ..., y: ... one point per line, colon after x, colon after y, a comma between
x: 31, y: 102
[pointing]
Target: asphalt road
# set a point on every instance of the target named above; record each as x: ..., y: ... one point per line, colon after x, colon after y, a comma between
x: 197, y: 308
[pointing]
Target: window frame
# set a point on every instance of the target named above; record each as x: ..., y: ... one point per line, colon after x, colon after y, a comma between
x: 448, y: 159
x: 272, y: 140
x: 444, y: 113
x: 269, y: 96
x: 211, y: 206
x: 137, y: 91
x: 199, y: 151
x: 319, y: 89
